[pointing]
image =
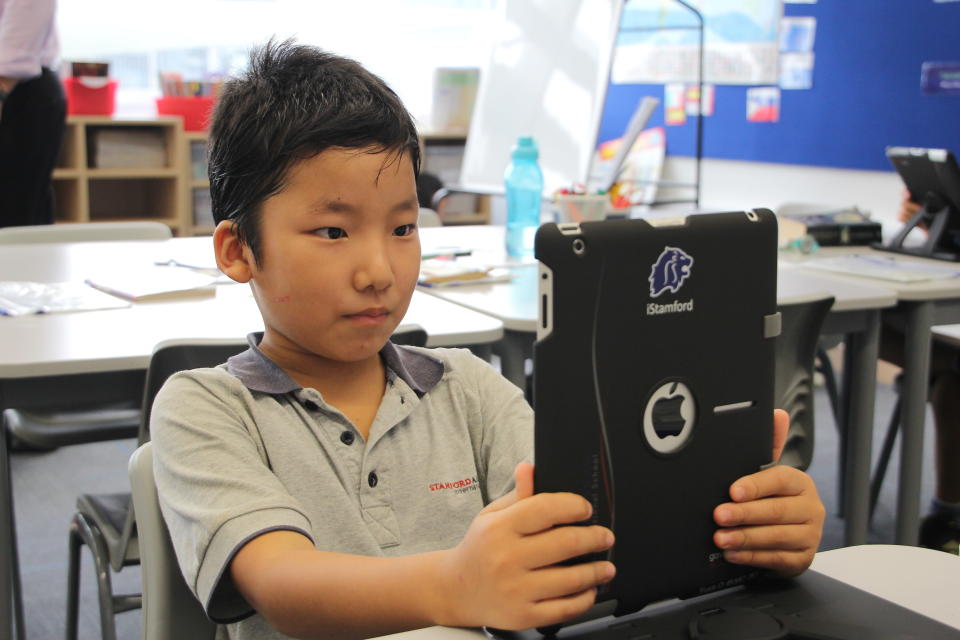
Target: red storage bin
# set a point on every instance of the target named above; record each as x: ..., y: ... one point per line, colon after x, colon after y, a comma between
x: 195, y: 111
x: 90, y: 96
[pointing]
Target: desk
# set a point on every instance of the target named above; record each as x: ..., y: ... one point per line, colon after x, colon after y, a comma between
x: 92, y: 341
x: 36, y: 350
x: 921, y: 306
x: 921, y: 580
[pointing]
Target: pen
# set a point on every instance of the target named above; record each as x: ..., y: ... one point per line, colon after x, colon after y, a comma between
x: 446, y: 253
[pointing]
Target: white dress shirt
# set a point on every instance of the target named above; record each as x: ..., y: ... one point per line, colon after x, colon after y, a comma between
x: 28, y: 37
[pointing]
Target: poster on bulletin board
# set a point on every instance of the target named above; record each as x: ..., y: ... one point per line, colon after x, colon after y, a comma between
x: 659, y: 42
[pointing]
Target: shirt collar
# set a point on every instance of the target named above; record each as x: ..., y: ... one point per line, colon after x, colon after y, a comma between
x: 257, y: 372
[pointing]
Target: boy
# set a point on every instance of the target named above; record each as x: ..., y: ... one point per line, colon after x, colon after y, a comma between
x: 327, y: 483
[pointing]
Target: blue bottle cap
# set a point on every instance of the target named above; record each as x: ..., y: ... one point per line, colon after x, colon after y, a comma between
x: 525, y: 149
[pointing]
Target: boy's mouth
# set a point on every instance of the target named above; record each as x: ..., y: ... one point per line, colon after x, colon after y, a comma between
x: 370, y: 317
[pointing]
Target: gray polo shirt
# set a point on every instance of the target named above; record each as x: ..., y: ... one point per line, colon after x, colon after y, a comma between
x: 242, y: 449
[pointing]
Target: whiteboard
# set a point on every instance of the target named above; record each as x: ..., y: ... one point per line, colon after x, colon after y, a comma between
x: 547, y: 77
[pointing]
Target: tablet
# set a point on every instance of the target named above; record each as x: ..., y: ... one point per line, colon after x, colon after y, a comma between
x: 932, y: 177
x: 653, y: 385
x: 928, y: 174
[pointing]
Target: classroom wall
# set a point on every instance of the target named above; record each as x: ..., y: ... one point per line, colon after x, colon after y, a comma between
x: 828, y: 146
x: 866, y: 92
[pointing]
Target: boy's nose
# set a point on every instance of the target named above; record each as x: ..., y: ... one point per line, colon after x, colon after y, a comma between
x: 374, y: 271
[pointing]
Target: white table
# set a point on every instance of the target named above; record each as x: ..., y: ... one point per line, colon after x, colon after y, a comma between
x: 36, y: 351
x: 921, y: 305
x: 91, y: 341
x: 855, y: 314
x: 921, y: 580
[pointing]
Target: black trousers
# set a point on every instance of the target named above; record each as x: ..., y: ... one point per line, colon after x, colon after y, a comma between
x: 32, y: 121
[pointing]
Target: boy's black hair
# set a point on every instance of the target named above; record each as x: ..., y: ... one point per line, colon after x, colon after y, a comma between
x: 293, y: 102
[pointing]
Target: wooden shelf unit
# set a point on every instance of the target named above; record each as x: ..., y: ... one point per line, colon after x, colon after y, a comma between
x: 177, y: 193
x: 87, y: 193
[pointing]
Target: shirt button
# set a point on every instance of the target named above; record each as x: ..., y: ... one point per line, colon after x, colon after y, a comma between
x: 372, y: 479
x: 346, y: 437
x: 311, y: 405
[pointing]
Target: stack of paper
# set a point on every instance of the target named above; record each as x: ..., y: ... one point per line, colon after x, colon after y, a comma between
x: 884, y: 268
x: 439, y: 272
x: 24, y: 298
x: 128, y: 147
x: 155, y: 283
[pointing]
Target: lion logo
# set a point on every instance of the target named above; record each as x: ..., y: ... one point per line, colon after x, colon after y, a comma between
x: 670, y: 271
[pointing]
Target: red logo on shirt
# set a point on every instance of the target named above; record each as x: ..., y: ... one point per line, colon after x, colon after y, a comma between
x: 467, y: 484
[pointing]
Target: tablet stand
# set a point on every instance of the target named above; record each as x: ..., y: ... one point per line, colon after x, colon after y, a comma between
x: 809, y: 607
x: 943, y: 232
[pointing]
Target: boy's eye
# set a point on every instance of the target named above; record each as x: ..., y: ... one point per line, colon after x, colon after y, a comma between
x: 332, y: 233
x: 405, y: 229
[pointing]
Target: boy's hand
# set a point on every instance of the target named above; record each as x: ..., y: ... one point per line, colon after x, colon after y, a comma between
x: 505, y: 573
x: 776, y: 518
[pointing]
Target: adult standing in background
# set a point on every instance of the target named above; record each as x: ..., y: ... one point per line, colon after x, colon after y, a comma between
x: 32, y: 111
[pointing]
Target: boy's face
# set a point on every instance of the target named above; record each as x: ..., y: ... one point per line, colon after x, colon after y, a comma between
x: 340, y: 255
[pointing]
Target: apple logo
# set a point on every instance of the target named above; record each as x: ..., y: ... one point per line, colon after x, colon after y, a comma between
x: 669, y: 416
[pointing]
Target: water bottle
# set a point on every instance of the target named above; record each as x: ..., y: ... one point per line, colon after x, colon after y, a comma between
x: 524, y: 183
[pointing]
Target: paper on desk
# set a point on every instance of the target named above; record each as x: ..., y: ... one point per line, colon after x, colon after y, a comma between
x: 884, y: 268
x: 154, y: 283
x: 493, y: 275
x: 438, y: 272
x: 25, y: 298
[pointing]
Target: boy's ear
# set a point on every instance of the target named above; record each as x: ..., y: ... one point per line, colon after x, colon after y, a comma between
x: 233, y: 257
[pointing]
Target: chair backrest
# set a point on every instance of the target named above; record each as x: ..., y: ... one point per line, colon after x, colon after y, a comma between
x: 85, y: 232
x: 170, y: 610
x: 168, y: 358
x: 413, y: 337
x: 796, y: 348
x: 171, y: 356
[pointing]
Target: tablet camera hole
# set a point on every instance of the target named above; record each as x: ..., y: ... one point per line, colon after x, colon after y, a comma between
x: 579, y: 246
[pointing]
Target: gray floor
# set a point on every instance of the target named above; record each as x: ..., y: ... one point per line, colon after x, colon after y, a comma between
x: 44, y: 508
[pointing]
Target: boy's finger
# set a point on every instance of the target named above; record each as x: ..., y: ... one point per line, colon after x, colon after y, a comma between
x: 775, y: 481
x: 546, y: 510
x: 791, y: 537
x: 560, y: 581
x: 502, y: 502
x: 786, y: 510
x: 781, y: 426
x: 786, y: 563
x: 556, y: 610
x: 563, y: 543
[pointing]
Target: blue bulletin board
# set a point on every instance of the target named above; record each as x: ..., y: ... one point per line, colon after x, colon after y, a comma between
x: 866, y: 92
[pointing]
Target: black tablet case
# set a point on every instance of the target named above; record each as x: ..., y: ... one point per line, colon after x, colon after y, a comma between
x: 602, y: 350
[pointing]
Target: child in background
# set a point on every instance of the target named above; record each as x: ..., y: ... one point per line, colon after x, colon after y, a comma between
x: 327, y: 483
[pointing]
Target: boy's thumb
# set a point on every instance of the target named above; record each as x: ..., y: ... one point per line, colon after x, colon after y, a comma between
x: 523, y: 480
x: 523, y: 488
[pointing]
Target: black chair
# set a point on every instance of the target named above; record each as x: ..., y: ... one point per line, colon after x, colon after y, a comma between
x: 76, y: 418
x: 796, y: 349
x: 106, y: 522
x: 893, y: 425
